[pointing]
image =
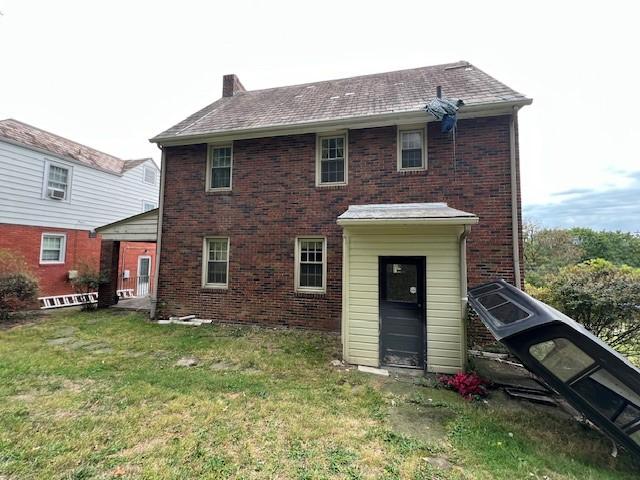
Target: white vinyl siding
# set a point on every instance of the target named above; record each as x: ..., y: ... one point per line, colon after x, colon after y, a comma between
x: 440, y: 247
x: 215, y: 262
x: 95, y: 197
x: 52, y: 247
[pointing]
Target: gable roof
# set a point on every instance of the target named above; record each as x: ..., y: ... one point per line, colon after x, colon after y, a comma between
x: 30, y: 136
x: 402, y: 91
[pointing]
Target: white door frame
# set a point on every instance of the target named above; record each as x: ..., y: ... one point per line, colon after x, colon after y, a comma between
x: 146, y: 290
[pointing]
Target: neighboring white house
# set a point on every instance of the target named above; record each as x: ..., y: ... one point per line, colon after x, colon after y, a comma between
x: 54, y: 192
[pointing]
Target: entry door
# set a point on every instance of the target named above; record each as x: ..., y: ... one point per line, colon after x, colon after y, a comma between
x: 402, y: 307
x: 144, y: 271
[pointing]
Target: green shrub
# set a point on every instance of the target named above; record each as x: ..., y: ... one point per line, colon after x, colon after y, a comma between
x: 604, y: 297
x: 18, y: 287
x: 88, y: 280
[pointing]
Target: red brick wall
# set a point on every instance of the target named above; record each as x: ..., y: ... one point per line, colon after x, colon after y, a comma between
x: 53, y: 278
x: 274, y: 199
x: 129, y: 254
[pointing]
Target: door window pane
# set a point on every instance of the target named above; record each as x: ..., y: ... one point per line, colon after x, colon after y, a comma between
x: 402, y: 282
x: 561, y: 357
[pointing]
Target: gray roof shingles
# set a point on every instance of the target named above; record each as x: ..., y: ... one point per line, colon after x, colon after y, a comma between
x: 28, y: 135
x: 383, y: 93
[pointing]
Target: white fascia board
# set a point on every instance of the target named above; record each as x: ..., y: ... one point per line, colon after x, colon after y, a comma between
x: 409, y: 221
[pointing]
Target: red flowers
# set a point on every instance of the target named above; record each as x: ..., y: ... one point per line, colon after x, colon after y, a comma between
x: 470, y: 385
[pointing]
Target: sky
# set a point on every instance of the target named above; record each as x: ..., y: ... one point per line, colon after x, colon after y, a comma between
x: 113, y: 74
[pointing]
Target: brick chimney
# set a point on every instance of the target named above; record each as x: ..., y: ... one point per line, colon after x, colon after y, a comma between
x: 231, y: 85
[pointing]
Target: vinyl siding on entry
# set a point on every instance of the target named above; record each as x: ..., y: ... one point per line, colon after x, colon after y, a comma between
x: 440, y: 246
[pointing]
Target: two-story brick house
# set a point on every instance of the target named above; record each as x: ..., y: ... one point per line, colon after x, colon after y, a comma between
x: 340, y: 205
x: 54, y: 192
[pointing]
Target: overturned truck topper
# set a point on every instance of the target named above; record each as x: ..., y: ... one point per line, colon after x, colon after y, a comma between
x: 590, y: 375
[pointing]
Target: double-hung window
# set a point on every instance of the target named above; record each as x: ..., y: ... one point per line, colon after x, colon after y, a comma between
x: 149, y: 175
x: 331, y: 160
x: 52, y: 247
x: 219, y: 167
x: 411, y: 149
x: 311, y: 264
x: 216, y: 262
x: 146, y: 206
x: 58, y: 178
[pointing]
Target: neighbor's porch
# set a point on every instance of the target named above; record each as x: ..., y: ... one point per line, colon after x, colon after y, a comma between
x: 127, y: 260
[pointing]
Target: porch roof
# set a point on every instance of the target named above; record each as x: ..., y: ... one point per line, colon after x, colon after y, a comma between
x: 142, y: 227
x: 406, y: 213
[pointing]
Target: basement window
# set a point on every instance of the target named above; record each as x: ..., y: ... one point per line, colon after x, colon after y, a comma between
x: 216, y: 262
x: 219, y: 168
x: 311, y: 265
x: 52, y: 248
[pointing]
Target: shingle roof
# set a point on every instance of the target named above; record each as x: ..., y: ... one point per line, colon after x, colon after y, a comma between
x: 29, y: 135
x: 382, y: 93
x: 404, y: 211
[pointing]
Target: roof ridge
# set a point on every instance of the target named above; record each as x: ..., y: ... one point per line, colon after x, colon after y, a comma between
x: 461, y: 63
x: 63, y: 138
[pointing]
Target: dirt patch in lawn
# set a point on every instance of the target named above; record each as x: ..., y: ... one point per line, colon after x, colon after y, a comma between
x: 425, y: 423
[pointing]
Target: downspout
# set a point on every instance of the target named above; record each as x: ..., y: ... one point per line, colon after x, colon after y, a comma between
x: 515, y: 230
x: 154, y: 298
x: 463, y: 291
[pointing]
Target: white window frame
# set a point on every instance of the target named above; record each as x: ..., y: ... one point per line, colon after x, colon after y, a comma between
x: 147, y: 202
x: 422, y: 130
x: 210, y: 150
x: 205, y: 263
x: 144, y: 174
x: 63, y: 248
x: 319, y: 137
x: 45, y: 183
x: 298, y: 258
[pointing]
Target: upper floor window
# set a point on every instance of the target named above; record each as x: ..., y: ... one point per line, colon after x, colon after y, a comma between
x: 149, y: 175
x: 146, y: 206
x: 331, y: 160
x: 215, y: 271
x: 411, y: 149
x: 311, y: 265
x: 58, y: 179
x: 52, y: 247
x: 219, y: 167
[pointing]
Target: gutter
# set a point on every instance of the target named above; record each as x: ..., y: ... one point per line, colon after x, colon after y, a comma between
x: 463, y: 291
x: 515, y: 230
x: 408, y: 221
x: 156, y: 273
x: 393, y: 118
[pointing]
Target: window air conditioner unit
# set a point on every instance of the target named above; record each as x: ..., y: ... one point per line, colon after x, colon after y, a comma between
x: 56, y: 193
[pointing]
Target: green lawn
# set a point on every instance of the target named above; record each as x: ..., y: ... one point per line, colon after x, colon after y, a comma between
x: 98, y: 395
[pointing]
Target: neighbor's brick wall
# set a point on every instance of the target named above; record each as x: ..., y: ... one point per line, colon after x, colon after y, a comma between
x: 53, y: 278
x: 128, y: 260
x: 274, y: 199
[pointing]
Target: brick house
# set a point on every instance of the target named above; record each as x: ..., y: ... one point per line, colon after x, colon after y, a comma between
x: 54, y: 192
x: 339, y: 205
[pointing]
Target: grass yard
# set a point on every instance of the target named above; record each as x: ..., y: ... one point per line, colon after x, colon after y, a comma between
x: 99, y: 395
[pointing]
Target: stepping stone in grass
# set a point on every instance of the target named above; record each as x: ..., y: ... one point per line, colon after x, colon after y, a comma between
x: 188, y: 362
x: 61, y: 340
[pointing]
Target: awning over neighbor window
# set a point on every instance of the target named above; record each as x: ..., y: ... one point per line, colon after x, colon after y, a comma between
x: 406, y: 213
x: 142, y: 227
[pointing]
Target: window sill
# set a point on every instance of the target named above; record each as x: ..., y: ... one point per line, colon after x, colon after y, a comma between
x: 44, y: 264
x: 219, y: 191
x: 330, y: 185
x: 310, y: 293
x: 215, y: 288
x: 412, y: 171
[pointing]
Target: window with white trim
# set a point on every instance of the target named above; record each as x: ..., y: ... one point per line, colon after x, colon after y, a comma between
x: 52, y: 247
x: 58, y: 178
x: 216, y: 262
x: 411, y: 149
x: 146, y: 206
x: 219, y: 170
x: 149, y: 175
x: 311, y: 264
x: 331, y: 160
